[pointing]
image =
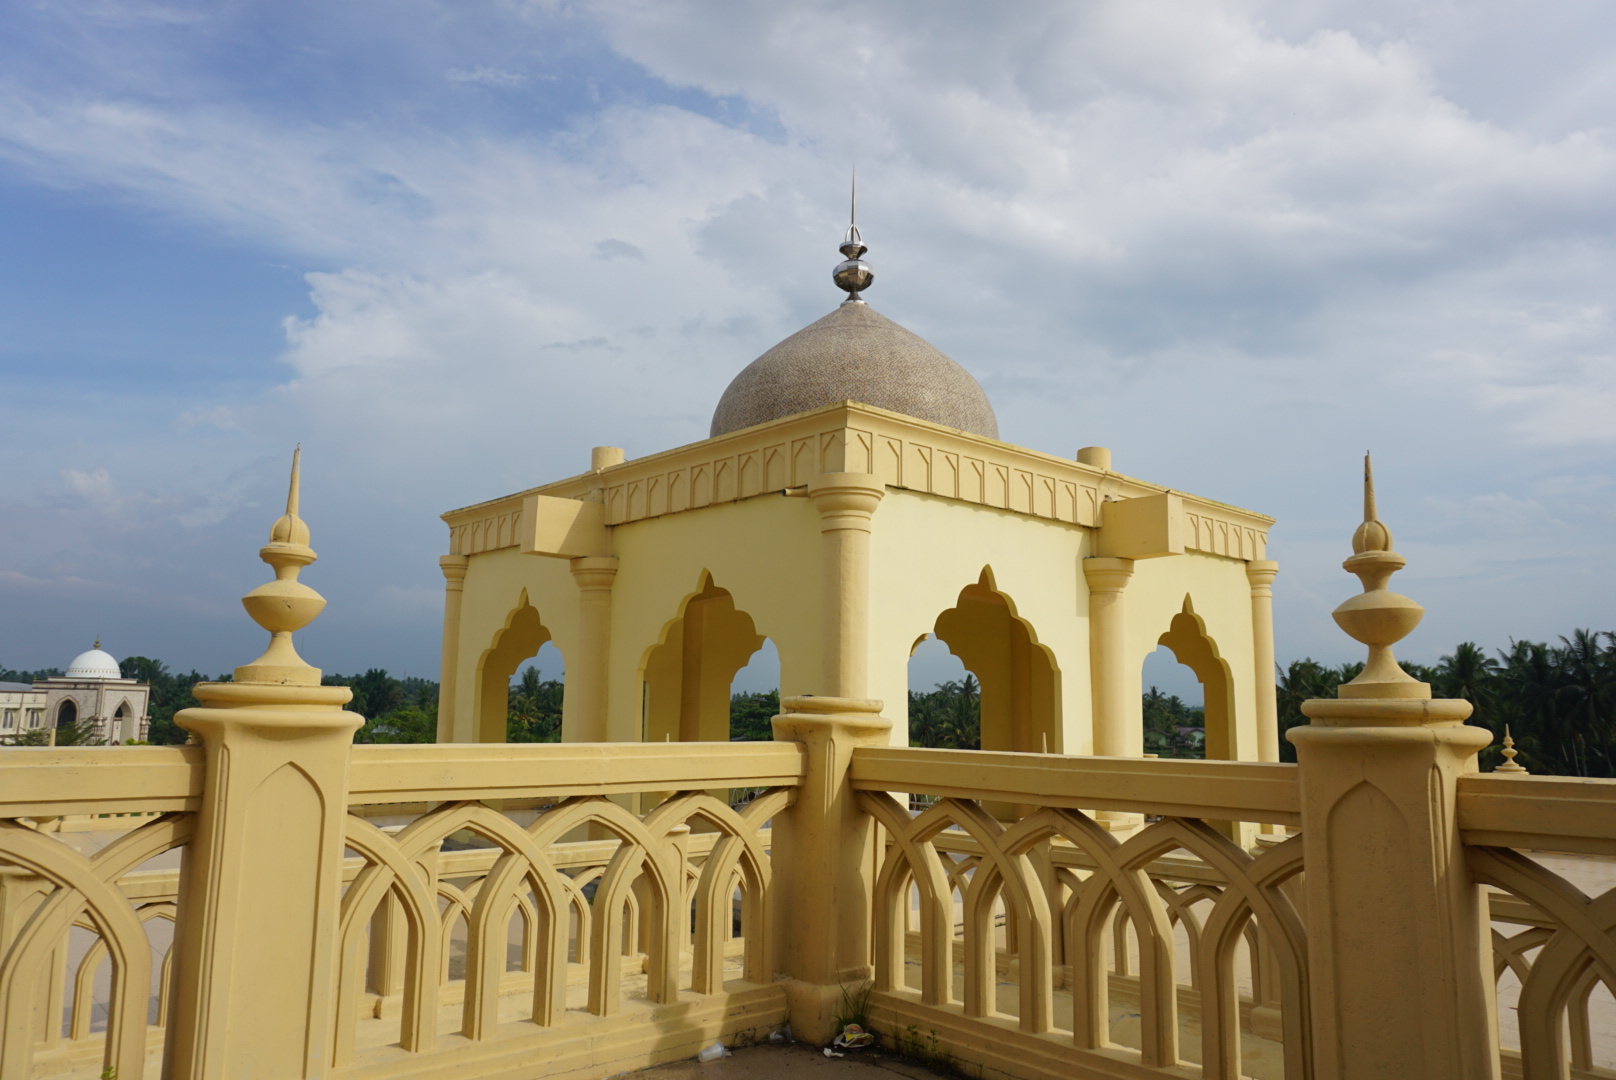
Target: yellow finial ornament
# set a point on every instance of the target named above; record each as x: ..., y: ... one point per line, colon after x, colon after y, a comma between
x: 1372, y: 535
x: 1510, y: 765
x: 285, y: 605
x: 1378, y: 617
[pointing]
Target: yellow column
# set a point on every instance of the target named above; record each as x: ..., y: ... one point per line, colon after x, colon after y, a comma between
x: 823, y: 859
x: 1399, y: 949
x: 588, y: 678
x: 454, y: 590
x: 846, y: 502
x: 261, y: 893
x: 1261, y: 573
x: 1108, y: 655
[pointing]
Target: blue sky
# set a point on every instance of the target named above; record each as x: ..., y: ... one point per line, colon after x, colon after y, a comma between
x: 448, y: 247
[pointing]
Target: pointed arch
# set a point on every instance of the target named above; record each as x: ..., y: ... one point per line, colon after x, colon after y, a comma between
x: 1193, y: 647
x: 1018, y: 676
x: 688, y: 671
x: 519, y: 638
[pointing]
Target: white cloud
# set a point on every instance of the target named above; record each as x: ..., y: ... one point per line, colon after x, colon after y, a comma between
x: 94, y: 485
x: 1236, y: 241
x: 485, y: 76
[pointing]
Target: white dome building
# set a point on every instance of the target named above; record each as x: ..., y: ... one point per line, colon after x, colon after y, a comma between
x: 94, y: 664
x: 92, y: 692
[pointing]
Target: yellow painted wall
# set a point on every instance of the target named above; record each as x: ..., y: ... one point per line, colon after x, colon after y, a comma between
x: 766, y: 552
x: 926, y: 549
x: 1221, y: 596
x: 497, y: 585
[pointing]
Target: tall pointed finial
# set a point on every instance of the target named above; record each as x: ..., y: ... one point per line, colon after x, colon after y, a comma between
x: 284, y: 605
x: 97, y: 644
x: 290, y: 529
x: 1372, y: 535
x: 853, y: 275
x: 1378, y: 617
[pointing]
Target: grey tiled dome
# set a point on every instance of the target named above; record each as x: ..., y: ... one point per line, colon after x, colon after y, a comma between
x: 855, y: 354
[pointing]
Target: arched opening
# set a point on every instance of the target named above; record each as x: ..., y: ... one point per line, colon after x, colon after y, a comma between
x: 688, y: 675
x: 1018, y: 678
x: 1186, y: 638
x: 754, y: 696
x: 1171, y: 706
x: 520, y: 638
x: 67, y: 713
x: 945, y: 699
x: 533, y: 708
x: 120, y: 718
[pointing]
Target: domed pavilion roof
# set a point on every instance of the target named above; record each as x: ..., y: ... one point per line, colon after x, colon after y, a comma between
x: 94, y: 664
x: 855, y: 354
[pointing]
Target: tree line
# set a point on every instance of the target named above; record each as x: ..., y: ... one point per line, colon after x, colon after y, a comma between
x: 1557, y: 700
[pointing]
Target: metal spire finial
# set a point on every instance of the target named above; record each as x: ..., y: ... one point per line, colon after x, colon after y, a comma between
x: 853, y: 275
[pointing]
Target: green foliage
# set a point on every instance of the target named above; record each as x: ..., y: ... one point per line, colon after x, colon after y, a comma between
x: 1172, y: 728
x: 30, y: 737
x: 534, y: 710
x: 924, y: 1050
x: 1559, y: 701
x: 78, y: 733
x: 949, y: 717
x: 7, y: 675
x: 395, y: 710
x: 169, y: 694
x: 751, y: 716
x: 855, y: 1007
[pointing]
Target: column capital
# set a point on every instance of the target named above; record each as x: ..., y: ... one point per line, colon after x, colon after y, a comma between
x: 1107, y: 574
x: 594, y: 572
x: 454, y: 569
x: 1261, y: 573
x: 846, y: 500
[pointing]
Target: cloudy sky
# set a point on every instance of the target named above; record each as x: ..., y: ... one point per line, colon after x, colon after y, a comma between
x: 450, y: 246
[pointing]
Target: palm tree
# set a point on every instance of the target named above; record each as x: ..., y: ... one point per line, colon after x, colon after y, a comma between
x: 1470, y: 674
x: 1588, y: 685
x: 1529, y: 675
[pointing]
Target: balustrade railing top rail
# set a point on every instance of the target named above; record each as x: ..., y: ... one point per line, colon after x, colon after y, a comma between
x: 1238, y: 790
x: 443, y: 772
x: 51, y: 781
x: 1545, y: 813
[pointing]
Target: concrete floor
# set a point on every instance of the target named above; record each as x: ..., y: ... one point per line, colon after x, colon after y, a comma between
x: 790, y: 1062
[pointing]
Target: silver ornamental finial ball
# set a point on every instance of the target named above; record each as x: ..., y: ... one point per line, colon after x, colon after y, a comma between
x: 853, y: 275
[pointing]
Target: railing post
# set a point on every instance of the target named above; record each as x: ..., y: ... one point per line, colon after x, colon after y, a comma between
x: 823, y: 859
x: 261, y: 887
x: 1399, y: 967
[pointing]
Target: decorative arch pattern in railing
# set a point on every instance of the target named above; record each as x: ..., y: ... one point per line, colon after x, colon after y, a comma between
x: 641, y: 897
x: 1012, y: 865
x: 84, y: 891
x: 1574, y: 943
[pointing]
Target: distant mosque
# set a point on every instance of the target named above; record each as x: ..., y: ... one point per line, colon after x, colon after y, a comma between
x: 93, y: 692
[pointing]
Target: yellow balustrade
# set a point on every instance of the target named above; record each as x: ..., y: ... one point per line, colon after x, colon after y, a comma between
x: 303, y: 907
